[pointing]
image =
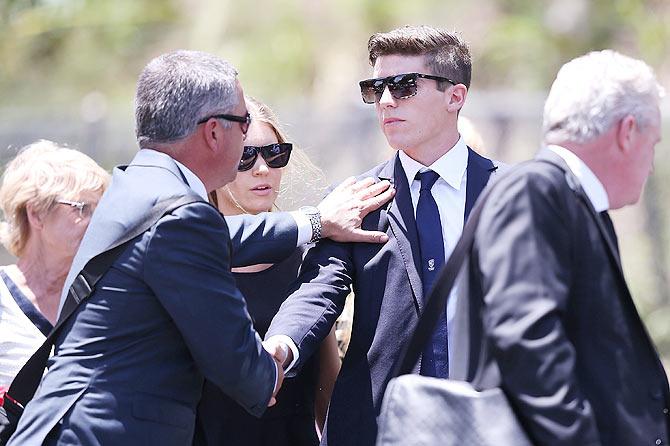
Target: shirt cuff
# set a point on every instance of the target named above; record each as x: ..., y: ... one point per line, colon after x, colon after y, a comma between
x: 286, y: 340
x: 274, y: 389
x: 304, y: 229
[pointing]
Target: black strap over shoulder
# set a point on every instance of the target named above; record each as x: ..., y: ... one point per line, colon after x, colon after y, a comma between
x: 25, y: 383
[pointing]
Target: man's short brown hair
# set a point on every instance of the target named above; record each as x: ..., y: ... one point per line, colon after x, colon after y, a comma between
x: 446, y: 53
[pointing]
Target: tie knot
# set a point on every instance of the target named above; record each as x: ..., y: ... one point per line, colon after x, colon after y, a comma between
x: 427, y: 178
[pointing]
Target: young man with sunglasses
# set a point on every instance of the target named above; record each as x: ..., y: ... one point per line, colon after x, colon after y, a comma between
x: 421, y: 80
x: 129, y: 365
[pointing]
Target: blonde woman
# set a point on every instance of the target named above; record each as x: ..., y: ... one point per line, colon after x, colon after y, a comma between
x: 48, y: 194
x: 269, y: 167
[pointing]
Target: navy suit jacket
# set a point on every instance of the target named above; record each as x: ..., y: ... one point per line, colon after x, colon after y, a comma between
x: 388, y: 299
x: 129, y: 365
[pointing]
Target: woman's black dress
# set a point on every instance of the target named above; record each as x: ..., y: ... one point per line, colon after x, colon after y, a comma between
x: 220, y: 421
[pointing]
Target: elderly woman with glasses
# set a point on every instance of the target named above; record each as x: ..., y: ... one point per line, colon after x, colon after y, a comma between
x: 263, y: 174
x: 48, y: 194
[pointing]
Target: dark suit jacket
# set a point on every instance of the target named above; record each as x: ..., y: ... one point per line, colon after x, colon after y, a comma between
x: 129, y: 365
x: 574, y: 357
x: 388, y: 299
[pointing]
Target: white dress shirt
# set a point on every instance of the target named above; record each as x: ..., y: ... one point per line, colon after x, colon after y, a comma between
x: 592, y: 186
x: 449, y: 194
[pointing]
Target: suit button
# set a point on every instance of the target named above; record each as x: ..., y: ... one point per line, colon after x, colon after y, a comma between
x: 665, y: 410
x: 658, y: 441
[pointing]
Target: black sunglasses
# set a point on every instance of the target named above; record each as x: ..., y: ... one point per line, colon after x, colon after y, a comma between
x: 243, y: 120
x: 275, y: 155
x: 401, y: 86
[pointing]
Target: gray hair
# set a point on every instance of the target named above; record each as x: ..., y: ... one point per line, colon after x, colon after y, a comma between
x: 594, y: 91
x: 176, y: 90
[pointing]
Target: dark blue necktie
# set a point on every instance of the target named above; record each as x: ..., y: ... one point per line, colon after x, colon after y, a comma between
x: 435, y: 357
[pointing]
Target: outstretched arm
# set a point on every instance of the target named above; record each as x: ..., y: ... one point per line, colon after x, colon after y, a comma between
x: 272, y: 237
x: 318, y: 298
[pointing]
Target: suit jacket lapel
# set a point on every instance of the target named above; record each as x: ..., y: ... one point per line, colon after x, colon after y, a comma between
x: 401, y: 211
x: 403, y: 225
x: 478, y: 172
x: 547, y: 155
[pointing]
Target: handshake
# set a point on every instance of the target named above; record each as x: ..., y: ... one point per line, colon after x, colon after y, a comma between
x: 283, y: 356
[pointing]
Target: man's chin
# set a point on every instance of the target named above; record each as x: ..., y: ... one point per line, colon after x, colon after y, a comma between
x: 395, y: 144
x: 400, y: 148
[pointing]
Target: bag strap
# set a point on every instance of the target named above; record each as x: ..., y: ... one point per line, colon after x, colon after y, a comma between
x: 24, y: 385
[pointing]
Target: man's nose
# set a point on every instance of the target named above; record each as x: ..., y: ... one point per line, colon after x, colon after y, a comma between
x: 387, y: 98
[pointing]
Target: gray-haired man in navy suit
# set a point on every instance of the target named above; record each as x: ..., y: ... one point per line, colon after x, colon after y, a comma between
x: 129, y: 366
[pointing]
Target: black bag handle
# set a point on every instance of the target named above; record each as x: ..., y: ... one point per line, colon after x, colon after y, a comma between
x: 24, y: 385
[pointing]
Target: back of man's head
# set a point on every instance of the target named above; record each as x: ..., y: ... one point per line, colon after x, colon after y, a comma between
x: 595, y: 91
x: 446, y: 52
x: 177, y: 89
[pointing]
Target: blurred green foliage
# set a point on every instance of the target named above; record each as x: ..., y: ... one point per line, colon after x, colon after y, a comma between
x: 51, y: 49
x: 541, y: 35
x: 54, y: 49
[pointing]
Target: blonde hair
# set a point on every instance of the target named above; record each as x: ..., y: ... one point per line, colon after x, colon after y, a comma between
x: 39, y: 175
x: 302, y: 182
x: 471, y: 135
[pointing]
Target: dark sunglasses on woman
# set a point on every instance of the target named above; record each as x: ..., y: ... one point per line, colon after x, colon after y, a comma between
x: 275, y: 155
x: 401, y: 86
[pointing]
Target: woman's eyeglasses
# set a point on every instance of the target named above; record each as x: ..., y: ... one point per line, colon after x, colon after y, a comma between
x: 275, y: 155
x: 85, y: 209
x: 401, y: 86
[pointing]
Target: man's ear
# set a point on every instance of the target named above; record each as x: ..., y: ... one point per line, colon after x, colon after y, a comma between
x: 625, y: 133
x: 455, y: 97
x: 212, y: 133
x: 35, y: 218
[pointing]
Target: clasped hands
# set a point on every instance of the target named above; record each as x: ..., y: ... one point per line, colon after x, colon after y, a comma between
x: 282, y: 356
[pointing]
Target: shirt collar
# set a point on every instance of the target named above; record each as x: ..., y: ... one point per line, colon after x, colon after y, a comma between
x: 592, y: 186
x: 450, y: 167
x: 191, y: 179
